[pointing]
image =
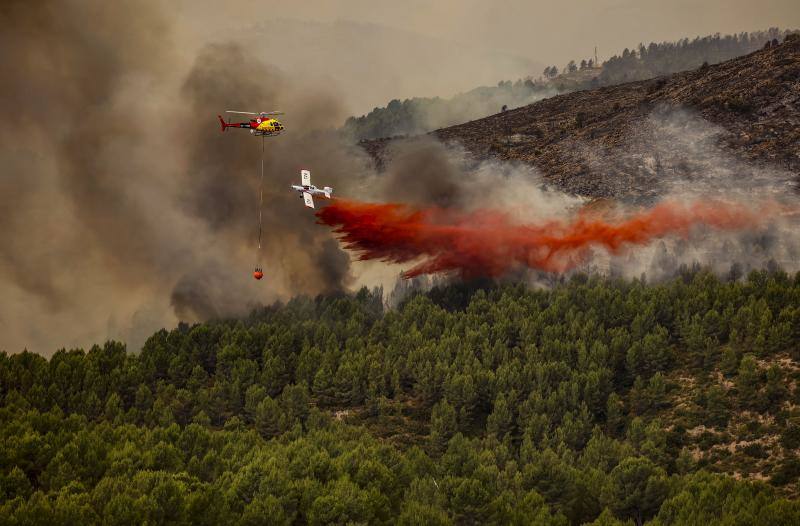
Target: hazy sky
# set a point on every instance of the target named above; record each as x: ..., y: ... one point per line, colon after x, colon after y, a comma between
x: 373, y: 51
x: 543, y: 31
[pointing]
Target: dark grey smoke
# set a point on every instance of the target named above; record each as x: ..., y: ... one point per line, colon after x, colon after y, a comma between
x: 424, y: 172
x: 71, y: 234
x: 192, y: 300
x: 59, y: 82
x: 123, y: 204
x: 224, y: 169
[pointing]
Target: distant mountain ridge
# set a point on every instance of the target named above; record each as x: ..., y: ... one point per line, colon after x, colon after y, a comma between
x: 421, y: 114
x: 604, y: 143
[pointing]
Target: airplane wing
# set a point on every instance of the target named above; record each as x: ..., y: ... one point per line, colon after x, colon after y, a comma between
x: 308, y: 199
x: 305, y: 176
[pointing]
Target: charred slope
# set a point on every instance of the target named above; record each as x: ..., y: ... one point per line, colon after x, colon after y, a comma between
x: 622, y: 140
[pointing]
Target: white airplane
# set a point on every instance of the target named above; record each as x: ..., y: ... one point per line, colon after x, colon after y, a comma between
x: 308, y: 190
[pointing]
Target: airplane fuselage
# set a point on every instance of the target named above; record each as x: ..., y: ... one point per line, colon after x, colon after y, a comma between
x: 307, y: 190
x: 311, y: 189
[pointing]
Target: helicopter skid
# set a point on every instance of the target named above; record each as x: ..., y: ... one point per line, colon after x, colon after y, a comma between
x: 265, y: 134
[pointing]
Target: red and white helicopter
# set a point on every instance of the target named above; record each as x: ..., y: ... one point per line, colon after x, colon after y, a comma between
x: 261, y: 125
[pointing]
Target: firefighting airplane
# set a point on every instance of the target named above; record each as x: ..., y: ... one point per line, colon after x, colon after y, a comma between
x: 308, y: 190
x: 261, y: 125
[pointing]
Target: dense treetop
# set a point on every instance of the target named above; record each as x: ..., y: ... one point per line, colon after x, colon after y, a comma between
x: 655, y: 60
x: 598, y: 401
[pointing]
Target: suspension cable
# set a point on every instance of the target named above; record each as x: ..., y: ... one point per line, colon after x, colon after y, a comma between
x: 260, y: 200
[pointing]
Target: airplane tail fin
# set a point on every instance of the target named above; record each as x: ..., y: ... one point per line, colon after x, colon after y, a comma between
x: 327, y: 191
x: 222, y: 123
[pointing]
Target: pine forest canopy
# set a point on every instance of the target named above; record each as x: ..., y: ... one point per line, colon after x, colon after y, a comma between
x: 599, y: 401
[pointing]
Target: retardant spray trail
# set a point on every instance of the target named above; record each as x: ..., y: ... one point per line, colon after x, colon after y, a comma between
x: 489, y: 243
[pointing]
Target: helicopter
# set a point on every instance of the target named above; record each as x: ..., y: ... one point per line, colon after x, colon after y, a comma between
x: 261, y: 125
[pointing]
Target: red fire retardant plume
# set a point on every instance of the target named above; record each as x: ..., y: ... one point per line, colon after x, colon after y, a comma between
x: 489, y: 243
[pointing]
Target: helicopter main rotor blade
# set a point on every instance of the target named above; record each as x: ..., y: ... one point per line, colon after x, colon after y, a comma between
x: 242, y: 112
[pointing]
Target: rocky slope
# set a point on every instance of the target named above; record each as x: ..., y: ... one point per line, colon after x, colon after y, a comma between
x: 739, y: 118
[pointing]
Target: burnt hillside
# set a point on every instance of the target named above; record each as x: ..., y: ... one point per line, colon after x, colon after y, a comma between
x: 625, y: 140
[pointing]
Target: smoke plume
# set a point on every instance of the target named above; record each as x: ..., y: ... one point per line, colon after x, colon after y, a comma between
x: 125, y: 208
